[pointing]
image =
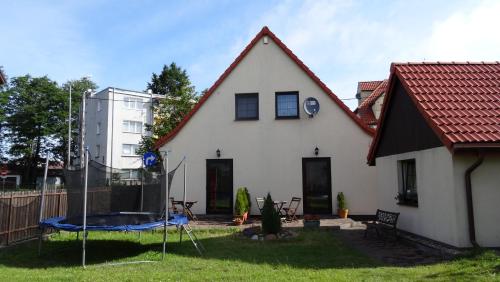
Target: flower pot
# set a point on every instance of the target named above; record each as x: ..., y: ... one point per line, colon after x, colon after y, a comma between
x: 238, y: 220
x: 343, y: 213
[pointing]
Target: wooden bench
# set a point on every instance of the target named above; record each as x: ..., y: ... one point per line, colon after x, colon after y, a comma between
x: 384, y: 221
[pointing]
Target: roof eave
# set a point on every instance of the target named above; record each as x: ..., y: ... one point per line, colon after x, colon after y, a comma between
x: 265, y: 31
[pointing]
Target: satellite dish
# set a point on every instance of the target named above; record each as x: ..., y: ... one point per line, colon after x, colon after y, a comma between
x: 311, y: 106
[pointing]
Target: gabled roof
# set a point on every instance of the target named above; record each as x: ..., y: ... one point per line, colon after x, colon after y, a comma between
x: 364, y: 110
x: 368, y: 85
x: 460, y: 101
x: 264, y: 32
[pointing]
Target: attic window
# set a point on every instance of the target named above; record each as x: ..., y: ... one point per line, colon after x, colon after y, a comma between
x: 287, y: 105
x: 265, y: 39
x: 247, y: 106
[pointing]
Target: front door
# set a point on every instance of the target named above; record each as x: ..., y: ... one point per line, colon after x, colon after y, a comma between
x: 220, y: 186
x: 317, y: 185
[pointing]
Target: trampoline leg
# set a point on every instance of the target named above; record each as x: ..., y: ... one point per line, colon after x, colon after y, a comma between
x: 83, y: 248
x: 164, y: 241
x: 40, y: 242
x: 180, y: 239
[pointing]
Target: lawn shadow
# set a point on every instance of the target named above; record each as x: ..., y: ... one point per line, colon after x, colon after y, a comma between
x: 310, y: 250
x: 68, y: 253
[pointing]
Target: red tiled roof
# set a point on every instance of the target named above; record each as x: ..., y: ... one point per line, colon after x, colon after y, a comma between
x: 460, y: 101
x: 368, y: 85
x: 365, y: 111
x: 264, y: 32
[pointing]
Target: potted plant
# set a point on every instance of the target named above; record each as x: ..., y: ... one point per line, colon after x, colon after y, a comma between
x: 241, y: 206
x: 311, y: 221
x: 342, y: 206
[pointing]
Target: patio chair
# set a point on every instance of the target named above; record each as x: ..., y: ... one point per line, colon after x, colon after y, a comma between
x: 260, y: 204
x: 292, y: 209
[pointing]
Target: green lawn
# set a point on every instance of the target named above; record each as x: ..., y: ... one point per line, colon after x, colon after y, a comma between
x: 317, y: 255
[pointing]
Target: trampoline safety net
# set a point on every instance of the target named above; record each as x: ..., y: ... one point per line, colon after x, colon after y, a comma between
x: 108, y: 192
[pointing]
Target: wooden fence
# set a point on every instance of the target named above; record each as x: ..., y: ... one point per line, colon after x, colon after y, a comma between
x: 20, y: 212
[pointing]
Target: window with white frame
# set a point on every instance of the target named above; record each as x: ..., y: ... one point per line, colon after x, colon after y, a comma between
x: 97, y: 151
x: 98, y: 128
x: 407, y: 194
x: 99, y: 106
x: 132, y: 126
x: 133, y: 103
x: 130, y: 149
x: 129, y: 174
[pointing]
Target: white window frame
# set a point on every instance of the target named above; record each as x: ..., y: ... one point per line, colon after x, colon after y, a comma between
x: 129, y: 171
x: 97, y: 151
x: 132, y: 126
x: 132, y: 149
x: 99, y: 105
x: 98, y: 128
x: 133, y: 103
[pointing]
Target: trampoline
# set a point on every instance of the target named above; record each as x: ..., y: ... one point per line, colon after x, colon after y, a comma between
x: 113, y: 222
x: 99, y: 200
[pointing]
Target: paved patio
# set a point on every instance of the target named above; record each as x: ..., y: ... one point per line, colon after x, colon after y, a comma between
x: 406, y: 251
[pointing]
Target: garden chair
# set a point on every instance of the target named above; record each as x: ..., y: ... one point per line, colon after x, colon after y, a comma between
x: 260, y: 204
x: 292, y: 209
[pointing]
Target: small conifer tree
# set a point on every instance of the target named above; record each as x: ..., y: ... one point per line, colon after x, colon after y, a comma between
x: 271, y: 221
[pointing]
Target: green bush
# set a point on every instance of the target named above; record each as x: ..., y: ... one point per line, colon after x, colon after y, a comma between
x: 341, y: 201
x: 271, y: 221
x: 242, y: 204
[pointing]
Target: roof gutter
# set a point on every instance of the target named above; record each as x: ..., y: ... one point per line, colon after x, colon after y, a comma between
x: 468, y: 195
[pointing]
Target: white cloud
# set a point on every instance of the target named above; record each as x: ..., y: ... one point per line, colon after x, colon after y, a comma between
x: 344, y: 42
x: 471, y: 35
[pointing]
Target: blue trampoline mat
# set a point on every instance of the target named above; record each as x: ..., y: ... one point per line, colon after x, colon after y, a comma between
x: 113, y: 222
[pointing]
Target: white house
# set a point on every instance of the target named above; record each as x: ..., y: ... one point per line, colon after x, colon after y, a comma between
x: 437, y: 151
x: 114, y: 125
x: 250, y: 129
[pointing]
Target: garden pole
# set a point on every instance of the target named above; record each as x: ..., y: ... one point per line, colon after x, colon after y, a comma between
x: 42, y: 202
x: 85, y: 205
x: 166, y: 206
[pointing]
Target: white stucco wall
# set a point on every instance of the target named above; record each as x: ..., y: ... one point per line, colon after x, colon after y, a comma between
x: 435, y: 216
x: 485, y: 196
x: 442, y: 211
x: 377, y: 106
x: 267, y: 153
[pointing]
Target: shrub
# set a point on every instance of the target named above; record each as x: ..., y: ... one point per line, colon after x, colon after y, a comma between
x: 271, y: 221
x: 249, y: 202
x: 242, y: 201
x: 341, y: 201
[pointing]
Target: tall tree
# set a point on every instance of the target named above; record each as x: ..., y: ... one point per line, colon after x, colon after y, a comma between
x: 34, y: 113
x: 180, y: 96
x: 4, y: 99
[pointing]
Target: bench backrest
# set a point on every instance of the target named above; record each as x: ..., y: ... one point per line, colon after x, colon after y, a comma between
x: 386, y: 217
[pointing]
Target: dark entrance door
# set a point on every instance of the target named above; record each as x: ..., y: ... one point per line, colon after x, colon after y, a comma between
x: 317, y: 185
x: 220, y: 186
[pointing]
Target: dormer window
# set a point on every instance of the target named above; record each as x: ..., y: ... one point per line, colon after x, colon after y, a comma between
x: 247, y: 106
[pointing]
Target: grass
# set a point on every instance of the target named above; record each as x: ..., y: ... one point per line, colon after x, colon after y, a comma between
x: 314, y: 255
